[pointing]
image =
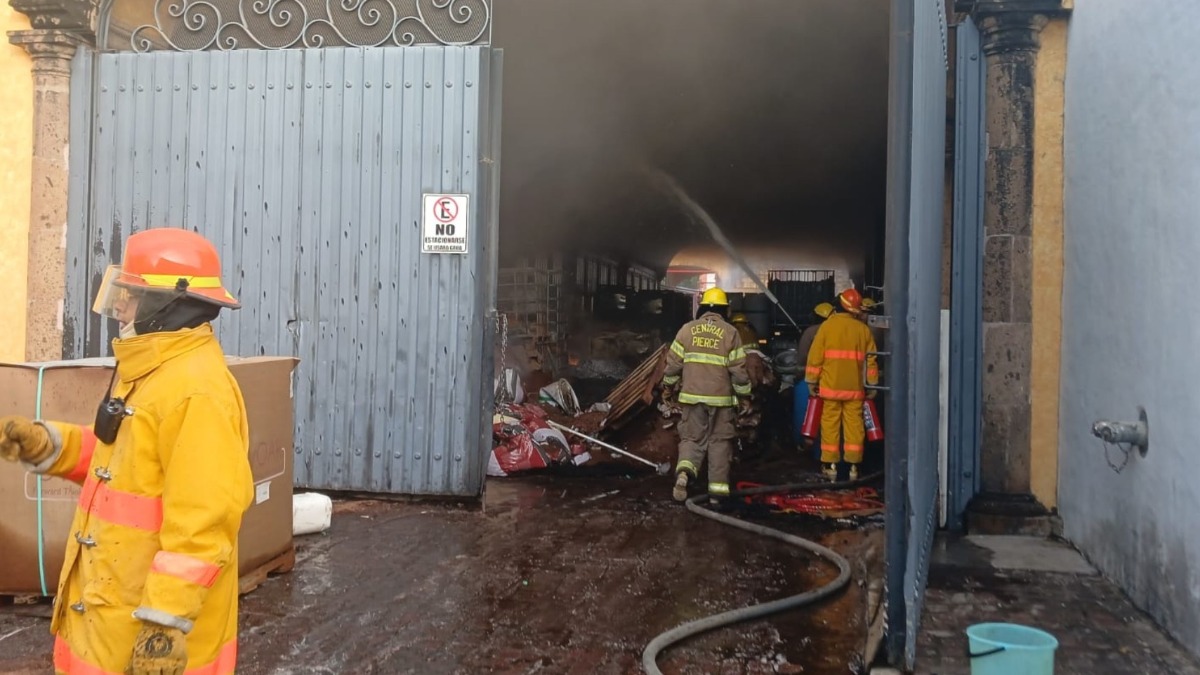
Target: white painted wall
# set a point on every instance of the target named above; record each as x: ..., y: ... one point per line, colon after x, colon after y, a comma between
x: 1131, y: 329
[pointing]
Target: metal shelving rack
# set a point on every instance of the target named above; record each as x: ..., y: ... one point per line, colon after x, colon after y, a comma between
x: 533, y: 299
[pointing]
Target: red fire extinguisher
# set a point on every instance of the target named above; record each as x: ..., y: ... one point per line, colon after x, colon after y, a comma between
x: 812, y: 417
x: 871, y: 421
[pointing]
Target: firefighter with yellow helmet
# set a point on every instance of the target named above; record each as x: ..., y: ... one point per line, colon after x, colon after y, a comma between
x: 869, y: 306
x: 822, y: 311
x: 745, y: 330
x: 841, y: 358
x: 150, y: 581
x: 707, y: 364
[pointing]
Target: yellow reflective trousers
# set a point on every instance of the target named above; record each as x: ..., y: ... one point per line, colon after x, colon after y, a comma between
x: 838, y: 415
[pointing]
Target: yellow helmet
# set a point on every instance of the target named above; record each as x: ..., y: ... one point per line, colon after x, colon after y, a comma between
x: 868, y: 304
x: 714, y: 297
x: 823, y: 310
x: 739, y: 318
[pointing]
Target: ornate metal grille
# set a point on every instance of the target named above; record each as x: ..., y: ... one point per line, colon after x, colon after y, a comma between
x: 200, y: 25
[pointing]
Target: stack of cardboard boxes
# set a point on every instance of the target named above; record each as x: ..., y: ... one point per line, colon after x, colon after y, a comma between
x: 70, y: 391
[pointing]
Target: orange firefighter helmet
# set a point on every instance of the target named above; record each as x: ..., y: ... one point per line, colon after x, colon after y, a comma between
x: 171, y: 259
x: 851, y: 300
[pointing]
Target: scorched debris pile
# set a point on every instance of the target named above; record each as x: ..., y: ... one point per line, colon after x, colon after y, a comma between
x: 524, y: 441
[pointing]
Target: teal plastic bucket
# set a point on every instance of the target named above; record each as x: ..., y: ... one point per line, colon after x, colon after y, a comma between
x: 1009, y: 649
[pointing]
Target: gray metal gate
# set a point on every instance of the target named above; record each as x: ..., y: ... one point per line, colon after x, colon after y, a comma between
x: 966, y: 291
x: 307, y: 168
x: 916, y: 174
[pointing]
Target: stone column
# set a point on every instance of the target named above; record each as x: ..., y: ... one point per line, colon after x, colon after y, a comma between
x: 1010, y: 30
x: 52, y: 52
x: 60, y: 27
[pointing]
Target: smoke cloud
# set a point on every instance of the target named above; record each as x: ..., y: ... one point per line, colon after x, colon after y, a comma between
x: 771, y: 114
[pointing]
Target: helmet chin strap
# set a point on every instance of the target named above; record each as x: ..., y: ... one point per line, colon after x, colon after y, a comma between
x: 178, y: 313
x: 128, y: 330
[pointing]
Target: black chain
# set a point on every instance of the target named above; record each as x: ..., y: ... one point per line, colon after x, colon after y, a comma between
x: 1126, y: 449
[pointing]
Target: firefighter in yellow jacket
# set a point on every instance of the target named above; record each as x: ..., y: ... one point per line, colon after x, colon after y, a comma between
x: 150, y: 581
x: 840, y: 361
x: 708, y: 365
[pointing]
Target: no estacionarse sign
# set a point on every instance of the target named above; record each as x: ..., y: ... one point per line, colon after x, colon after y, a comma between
x: 444, y: 223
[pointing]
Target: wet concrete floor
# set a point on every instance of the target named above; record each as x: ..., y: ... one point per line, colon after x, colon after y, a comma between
x: 553, y: 575
x: 1045, y: 584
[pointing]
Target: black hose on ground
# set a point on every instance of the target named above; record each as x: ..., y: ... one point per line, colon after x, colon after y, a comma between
x: 687, y: 630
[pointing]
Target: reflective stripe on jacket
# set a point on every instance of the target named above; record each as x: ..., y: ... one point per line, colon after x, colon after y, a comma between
x: 840, y: 357
x: 708, y: 358
x: 155, y: 531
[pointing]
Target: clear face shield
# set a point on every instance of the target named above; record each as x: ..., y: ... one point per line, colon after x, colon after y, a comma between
x: 127, y: 303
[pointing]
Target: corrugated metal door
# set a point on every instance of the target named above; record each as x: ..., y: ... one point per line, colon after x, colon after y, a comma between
x: 966, y: 291
x: 916, y: 179
x: 307, y: 169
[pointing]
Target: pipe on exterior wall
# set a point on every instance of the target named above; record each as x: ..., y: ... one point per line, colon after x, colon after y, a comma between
x: 1135, y: 434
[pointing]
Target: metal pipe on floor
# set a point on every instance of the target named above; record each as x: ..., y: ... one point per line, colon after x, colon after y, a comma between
x: 662, y: 469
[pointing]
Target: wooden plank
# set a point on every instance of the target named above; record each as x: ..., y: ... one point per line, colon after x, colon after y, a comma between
x: 281, y: 564
x: 626, y: 387
x: 635, y: 378
x: 636, y: 390
x: 660, y: 367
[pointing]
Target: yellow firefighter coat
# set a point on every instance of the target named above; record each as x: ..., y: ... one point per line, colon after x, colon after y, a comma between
x: 840, y: 358
x: 155, y: 533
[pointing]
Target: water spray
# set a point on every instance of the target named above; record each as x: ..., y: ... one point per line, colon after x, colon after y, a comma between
x: 671, y: 187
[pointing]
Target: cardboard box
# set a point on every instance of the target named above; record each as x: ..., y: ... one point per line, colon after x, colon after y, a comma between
x: 71, y: 392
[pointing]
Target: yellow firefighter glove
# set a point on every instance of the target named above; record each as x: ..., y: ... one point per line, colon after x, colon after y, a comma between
x: 24, y: 440
x: 158, y: 650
